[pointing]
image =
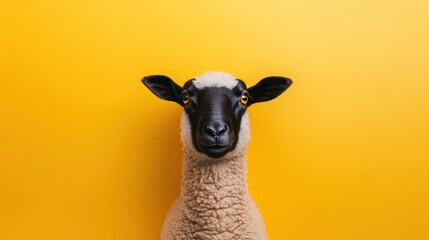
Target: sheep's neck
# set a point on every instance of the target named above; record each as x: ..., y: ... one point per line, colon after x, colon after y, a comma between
x: 214, y: 189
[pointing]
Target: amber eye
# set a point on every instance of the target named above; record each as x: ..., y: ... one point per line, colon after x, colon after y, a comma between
x: 244, y: 99
x: 185, y: 98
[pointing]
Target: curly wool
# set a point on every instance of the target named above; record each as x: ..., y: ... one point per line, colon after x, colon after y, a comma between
x: 214, y: 202
x: 215, y: 79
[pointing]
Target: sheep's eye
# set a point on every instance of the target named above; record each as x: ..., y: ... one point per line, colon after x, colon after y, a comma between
x: 244, y: 99
x: 185, y: 98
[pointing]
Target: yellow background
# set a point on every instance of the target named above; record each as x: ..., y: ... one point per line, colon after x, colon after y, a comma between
x: 87, y: 152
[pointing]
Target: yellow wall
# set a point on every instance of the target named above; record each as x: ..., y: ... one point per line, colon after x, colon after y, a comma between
x: 87, y: 152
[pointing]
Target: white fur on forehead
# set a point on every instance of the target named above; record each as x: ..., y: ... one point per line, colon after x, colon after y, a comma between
x: 215, y: 79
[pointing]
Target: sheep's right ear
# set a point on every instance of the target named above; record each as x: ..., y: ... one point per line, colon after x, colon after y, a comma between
x: 164, y: 88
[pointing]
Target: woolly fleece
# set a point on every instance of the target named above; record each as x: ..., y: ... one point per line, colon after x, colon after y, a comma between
x: 215, y: 79
x: 214, y: 203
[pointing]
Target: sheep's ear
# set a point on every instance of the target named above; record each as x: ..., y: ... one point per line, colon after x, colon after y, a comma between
x: 268, y: 89
x: 164, y: 88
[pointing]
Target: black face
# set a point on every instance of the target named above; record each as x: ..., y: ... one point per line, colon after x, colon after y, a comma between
x: 215, y: 114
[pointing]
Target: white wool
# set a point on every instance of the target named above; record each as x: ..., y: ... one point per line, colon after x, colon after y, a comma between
x: 214, y: 202
x: 215, y: 79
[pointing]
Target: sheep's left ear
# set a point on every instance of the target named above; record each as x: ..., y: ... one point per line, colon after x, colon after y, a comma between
x: 164, y: 88
x: 268, y: 89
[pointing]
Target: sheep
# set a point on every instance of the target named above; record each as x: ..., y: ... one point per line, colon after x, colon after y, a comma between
x: 214, y: 202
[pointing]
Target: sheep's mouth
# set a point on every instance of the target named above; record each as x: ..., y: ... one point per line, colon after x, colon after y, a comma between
x: 215, y: 151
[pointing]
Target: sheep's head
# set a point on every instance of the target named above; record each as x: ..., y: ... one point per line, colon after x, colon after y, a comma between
x: 215, y: 121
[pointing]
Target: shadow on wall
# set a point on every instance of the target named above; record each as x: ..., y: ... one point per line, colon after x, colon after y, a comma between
x: 159, y: 160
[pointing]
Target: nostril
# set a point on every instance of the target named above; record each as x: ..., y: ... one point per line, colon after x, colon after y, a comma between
x: 222, y: 130
x: 210, y: 130
x: 215, y: 130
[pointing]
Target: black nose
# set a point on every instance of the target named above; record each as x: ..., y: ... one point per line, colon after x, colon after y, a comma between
x: 215, y: 129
